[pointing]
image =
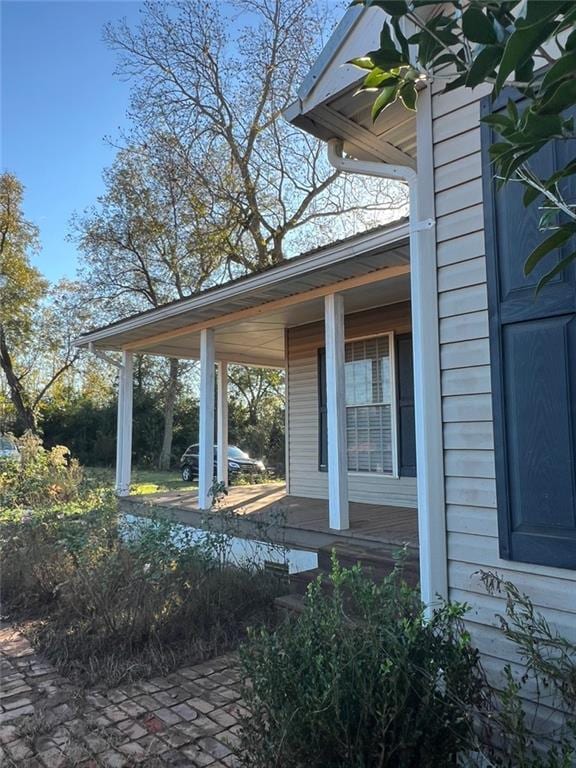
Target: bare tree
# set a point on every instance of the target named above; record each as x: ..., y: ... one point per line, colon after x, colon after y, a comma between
x: 218, y: 76
x: 211, y: 180
x: 150, y: 239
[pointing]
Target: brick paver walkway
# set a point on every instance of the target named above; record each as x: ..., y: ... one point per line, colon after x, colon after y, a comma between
x: 189, y: 718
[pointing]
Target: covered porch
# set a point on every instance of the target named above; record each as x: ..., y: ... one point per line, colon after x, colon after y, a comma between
x: 347, y: 293
x: 377, y: 532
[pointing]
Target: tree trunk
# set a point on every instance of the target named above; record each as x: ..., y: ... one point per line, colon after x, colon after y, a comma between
x: 24, y: 413
x: 169, y: 404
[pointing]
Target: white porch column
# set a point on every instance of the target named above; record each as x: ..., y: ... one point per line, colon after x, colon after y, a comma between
x: 336, y: 412
x: 124, y: 426
x: 206, y: 435
x: 222, y: 425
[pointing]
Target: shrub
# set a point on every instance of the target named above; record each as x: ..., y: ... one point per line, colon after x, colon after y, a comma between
x: 361, y: 680
x: 41, y: 549
x: 41, y: 479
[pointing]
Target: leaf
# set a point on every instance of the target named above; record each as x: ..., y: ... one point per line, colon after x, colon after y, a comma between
x: 564, y: 96
x: 476, y: 26
x: 538, y: 11
x: 484, y: 64
x: 401, y: 37
x: 538, y: 126
x: 457, y: 83
x: 387, y: 59
x: 552, y: 242
x: 386, y: 97
x: 571, y: 41
x: 564, y: 67
x: 512, y: 109
x: 520, y: 46
x: 364, y: 62
x: 497, y: 120
x: 379, y: 79
x: 393, y: 7
x: 562, y: 264
x: 524, y: 73
x: 408, y: 94
x: 568, y: 170
x: 530, y: 195
x: 386, y: 41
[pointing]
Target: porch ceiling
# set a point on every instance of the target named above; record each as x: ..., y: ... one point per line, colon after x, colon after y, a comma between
x: 250, y: 316
x: 259, y: 340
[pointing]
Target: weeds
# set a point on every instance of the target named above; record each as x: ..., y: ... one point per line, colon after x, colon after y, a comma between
x: 111, y: 601
x: 361, y: 680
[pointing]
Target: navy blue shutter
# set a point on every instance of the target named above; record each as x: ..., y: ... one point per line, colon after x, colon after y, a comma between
x: 405, y: 396
x: 533, y: 358
x: 322, y: 417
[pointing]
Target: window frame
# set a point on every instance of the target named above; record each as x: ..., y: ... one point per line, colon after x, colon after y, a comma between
x: 395, y: 473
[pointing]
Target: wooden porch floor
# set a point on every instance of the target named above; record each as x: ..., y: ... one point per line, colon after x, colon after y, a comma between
x: 293, y: 520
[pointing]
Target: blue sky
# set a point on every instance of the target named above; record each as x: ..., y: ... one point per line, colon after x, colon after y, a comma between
x: 59, y: 100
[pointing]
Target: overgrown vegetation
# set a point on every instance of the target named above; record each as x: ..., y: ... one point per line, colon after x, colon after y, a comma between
x: 529, y: 737
x: 361, y: 680
x: 88, y: 427
x: 102, y: 603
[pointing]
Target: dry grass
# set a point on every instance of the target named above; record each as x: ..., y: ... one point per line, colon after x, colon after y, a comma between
x: 108, y: 609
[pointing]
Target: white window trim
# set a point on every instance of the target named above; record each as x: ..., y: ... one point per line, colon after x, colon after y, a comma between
x: 395, y: 474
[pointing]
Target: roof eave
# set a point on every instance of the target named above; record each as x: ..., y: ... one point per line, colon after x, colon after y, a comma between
x: 371, y: 241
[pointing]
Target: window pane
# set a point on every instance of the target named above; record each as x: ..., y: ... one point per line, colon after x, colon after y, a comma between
x: 369, y: 437
x: 367, y: 372
x: 358, y: 382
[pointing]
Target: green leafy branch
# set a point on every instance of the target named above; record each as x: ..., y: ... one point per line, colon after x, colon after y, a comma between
x: 527, y: 44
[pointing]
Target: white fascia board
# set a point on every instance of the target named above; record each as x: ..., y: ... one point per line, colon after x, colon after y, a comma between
x: 289, y: 270
x: 329, y: 52
x: 332, y: 75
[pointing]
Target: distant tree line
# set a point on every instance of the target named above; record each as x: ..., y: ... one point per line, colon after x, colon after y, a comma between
x: 88, y: 429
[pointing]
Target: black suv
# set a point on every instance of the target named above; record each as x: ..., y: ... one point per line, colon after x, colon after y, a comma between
x: 238, y: 463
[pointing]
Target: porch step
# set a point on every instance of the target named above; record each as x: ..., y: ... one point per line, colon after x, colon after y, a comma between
x: 290, y: 604
x: 377, y: 562
x: 299, y: 581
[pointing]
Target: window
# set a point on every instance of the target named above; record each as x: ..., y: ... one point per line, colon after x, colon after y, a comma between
x: 369, y: 428
x: 376, y: 372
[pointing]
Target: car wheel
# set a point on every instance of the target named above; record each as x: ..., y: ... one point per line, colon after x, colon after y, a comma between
x: 187, y: 474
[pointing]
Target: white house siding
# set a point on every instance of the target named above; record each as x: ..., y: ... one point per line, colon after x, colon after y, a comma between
x: 305, y: 477
x: 466, y: 389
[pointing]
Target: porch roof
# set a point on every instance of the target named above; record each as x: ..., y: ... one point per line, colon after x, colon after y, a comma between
x: 250, y: 314
x: 329, y: 106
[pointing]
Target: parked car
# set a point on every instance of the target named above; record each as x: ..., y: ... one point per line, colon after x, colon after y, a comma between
x: 9, y: 449
x: 239, y: 462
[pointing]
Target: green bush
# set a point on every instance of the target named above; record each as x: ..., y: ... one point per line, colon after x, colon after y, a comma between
x: 361, y: 680
x: 41, y: 479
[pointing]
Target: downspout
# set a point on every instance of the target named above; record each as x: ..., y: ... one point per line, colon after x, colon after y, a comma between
x: 426, y: 346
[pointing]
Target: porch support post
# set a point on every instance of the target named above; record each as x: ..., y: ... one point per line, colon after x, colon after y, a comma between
x: 124, y: 426
x: 206, y: 432
x: 222, y: 426
x: 336, y: 412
